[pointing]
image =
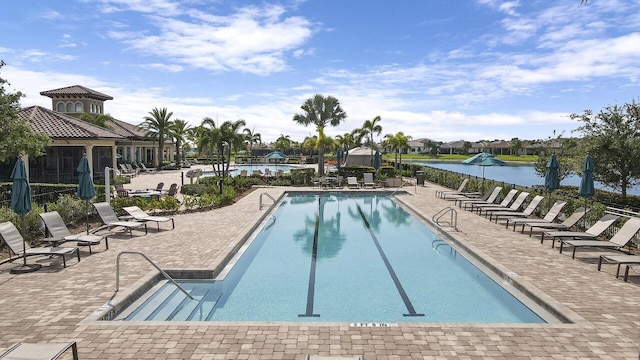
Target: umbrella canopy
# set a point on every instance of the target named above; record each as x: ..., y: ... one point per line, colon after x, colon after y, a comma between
x: 551, y: 179
x: 376, y: 160
x: 275, y: 155
x: 484, y: 159
x: 20, y: 190
x: 86, y: 190
x: 587, y: 189
x: 476, y: 158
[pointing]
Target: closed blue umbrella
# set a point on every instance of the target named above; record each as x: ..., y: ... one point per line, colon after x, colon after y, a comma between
x: 21, y: 204
x: 587, y: 189
x: 551, y: 179
x: 377, y: 160
x: 86, y: 190
x: 338, y: 159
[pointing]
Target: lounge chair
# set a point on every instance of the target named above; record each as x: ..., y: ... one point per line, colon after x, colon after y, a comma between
x: 146, y: 169
x: 158, y: 187
x: 483, y: 197
x: 591, y: 233
x: 442, y: 193
x: 368, y: 180
x: 132, y: 170
x: 619, y: 259
x: 515, y: 205
x: 567, y: 224
x: 140, y: 215
x: 21, y: 248
x: 626, y: 271
x: 464, y: 203
x: 477, y: 207
x: 617, y: 241
x: 352, y: 182
x: 173, y: 190
x: 548, y: 218
x: 533, y: 205
x: 60, y: 233
x: 111, y: 220
x: 39, y: 351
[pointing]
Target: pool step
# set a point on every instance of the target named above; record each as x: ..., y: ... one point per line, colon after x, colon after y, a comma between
x: 169, y: 303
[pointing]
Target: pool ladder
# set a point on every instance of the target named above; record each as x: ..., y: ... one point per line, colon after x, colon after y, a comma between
x: 269, y: 196
x: 150, y: 262
x: 453, y: 218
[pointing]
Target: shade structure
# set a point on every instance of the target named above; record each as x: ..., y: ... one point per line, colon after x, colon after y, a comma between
x: 358, y: 156
x: 275, y: 155
x: 86, y: 190
x: 484, y: 159
x: 552, y: 179
x: 21, y: 205
x: 377, y: 161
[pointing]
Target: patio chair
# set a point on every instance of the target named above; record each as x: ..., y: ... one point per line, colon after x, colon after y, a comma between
x: 543, y: 223
x: 244, y: 173
x: 124, y: 193
x: 622, y: 259
x: 443, y: 193
x: 352, y: 182
x: 140, y: 215
x: 504, y: 204
x: 368, y: 180
x: 146, y: 169
x: 158, y: 187
x: 173, y: 190
x: 21, y: 248
x: 548, y: 218
x: 493, y: 196
x: 533, y: 205
x: 132, y: 171
x: 111, y: 220
x: 39, y: 351
x: 591, y: 233
x: 60, y: 234
x: 623, y: 237
x: 483, y: 197
x: 515, y: 205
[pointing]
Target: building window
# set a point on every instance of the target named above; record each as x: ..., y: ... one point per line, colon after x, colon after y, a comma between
x: 92, y: 108
x: 61, y: 107
x: 69, y: 107
x: 79, y: 107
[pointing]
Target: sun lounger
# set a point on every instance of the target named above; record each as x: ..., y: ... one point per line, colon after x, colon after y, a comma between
x: 626, y: 271
x: 477, y: 207
x: 111, y: 220
x: 567, y: 224
x: 443, y: 193
x: 549, y: 217
x: 368, y: 180
x: 618, y: 241
x: 619, y: 259
x: 60, y: 233
x: 352, y: 182
x: 515, y: 205
x: 21, y: 248
x: 464, y: 202
x: 39, y: 351
x: 591, y: 233
x: 140, y: 215
x: 484, y: 196
x: 533, y: 205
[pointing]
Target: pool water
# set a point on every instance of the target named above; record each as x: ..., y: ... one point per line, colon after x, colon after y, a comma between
x: 343, y: 258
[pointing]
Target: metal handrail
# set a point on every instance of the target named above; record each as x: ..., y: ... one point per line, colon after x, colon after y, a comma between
x: 402, y: 183
x: 273, y: 217
x: 269, y: 196
x: 150, y: 262
x: 453, y: 222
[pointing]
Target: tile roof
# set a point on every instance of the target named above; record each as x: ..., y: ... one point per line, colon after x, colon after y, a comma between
x: 58, y: 125
x: 127, y: 130
x: 77, y: 90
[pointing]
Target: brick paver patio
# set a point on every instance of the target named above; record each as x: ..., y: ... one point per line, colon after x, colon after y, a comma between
x: 53, y: 304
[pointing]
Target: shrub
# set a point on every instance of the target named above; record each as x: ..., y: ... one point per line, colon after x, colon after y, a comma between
x: 70, y: 208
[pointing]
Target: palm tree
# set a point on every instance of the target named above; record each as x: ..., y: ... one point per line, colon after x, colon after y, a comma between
x: 251, y: 137
x: 210, y: 141
x: 369, y: 128
x: 157, y: 124
x: 179, y: 132
x: 283, y: 142
x: 101, y: 120
x: 232, y: 138
x: 397, y: 143
x: 321, y: 111
x: 345, y: 141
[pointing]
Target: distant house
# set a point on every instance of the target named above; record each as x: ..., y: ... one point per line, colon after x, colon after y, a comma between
x: 71, y: 137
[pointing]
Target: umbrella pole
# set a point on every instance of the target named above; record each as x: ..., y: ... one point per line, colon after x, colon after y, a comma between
x: 86, y: 211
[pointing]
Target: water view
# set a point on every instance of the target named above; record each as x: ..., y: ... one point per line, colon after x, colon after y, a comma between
x: 519, y: 174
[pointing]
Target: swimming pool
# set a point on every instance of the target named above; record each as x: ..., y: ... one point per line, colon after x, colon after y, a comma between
x: 341, y: 258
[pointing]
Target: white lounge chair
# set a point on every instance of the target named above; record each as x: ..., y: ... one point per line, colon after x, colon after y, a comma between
x: 549, y: 217
x: 352, y: 182
x: 623, y: 259
x: 140, y: 215
x: 60, y: 233
x: 368, y: 180
x: 567, y: 224
x: 515, y: 205
x: 443, y: 193
x: 591, y: 233
x: 618, y: 241
x: 39, y: 351
x: 468, y: 202
x: 504, y: 204
x: 111, y: 220
x: 533, y: 205
x: 21, y: 248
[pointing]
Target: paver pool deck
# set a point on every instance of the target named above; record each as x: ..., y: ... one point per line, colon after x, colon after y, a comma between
x: 53, y: 304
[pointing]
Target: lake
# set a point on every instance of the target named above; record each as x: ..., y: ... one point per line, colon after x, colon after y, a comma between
x: 514, y: 173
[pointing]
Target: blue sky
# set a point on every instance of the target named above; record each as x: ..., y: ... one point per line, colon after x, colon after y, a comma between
x: 439, y: 69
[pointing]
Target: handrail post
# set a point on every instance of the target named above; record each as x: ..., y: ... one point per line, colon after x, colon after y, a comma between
x: 150, y: 262
x: 269, y: 196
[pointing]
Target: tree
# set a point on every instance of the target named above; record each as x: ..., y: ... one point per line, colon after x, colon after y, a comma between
x: 397, y: 143
x: 320, y: 111
x: 283, y: 142
x: 612, y: 138
x: 466, y: 146
x: 16, y: 136
x: 232, y: 139
x: 251, y: 137
x: 516, y: 146
x: 209, y: 140
x: 101, y: 120
x: 179, y: 132
x: 432, y: 147
x: 566, y: 151
x: 345, y: 141
x: 369, y: 128
x: 158, y: 125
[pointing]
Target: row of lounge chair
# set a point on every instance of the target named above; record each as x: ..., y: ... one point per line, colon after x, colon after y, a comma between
x: 508, y: 210
x: 57, y: 232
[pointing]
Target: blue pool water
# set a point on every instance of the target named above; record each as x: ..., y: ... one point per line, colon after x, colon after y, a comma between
x: 343, y: 258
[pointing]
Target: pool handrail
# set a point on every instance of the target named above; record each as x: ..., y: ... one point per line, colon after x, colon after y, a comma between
x: 269, y: 196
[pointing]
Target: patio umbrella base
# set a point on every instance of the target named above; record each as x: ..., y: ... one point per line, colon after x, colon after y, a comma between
x: 23, y: 269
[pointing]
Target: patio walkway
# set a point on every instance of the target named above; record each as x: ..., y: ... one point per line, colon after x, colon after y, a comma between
x: 53, y: 303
